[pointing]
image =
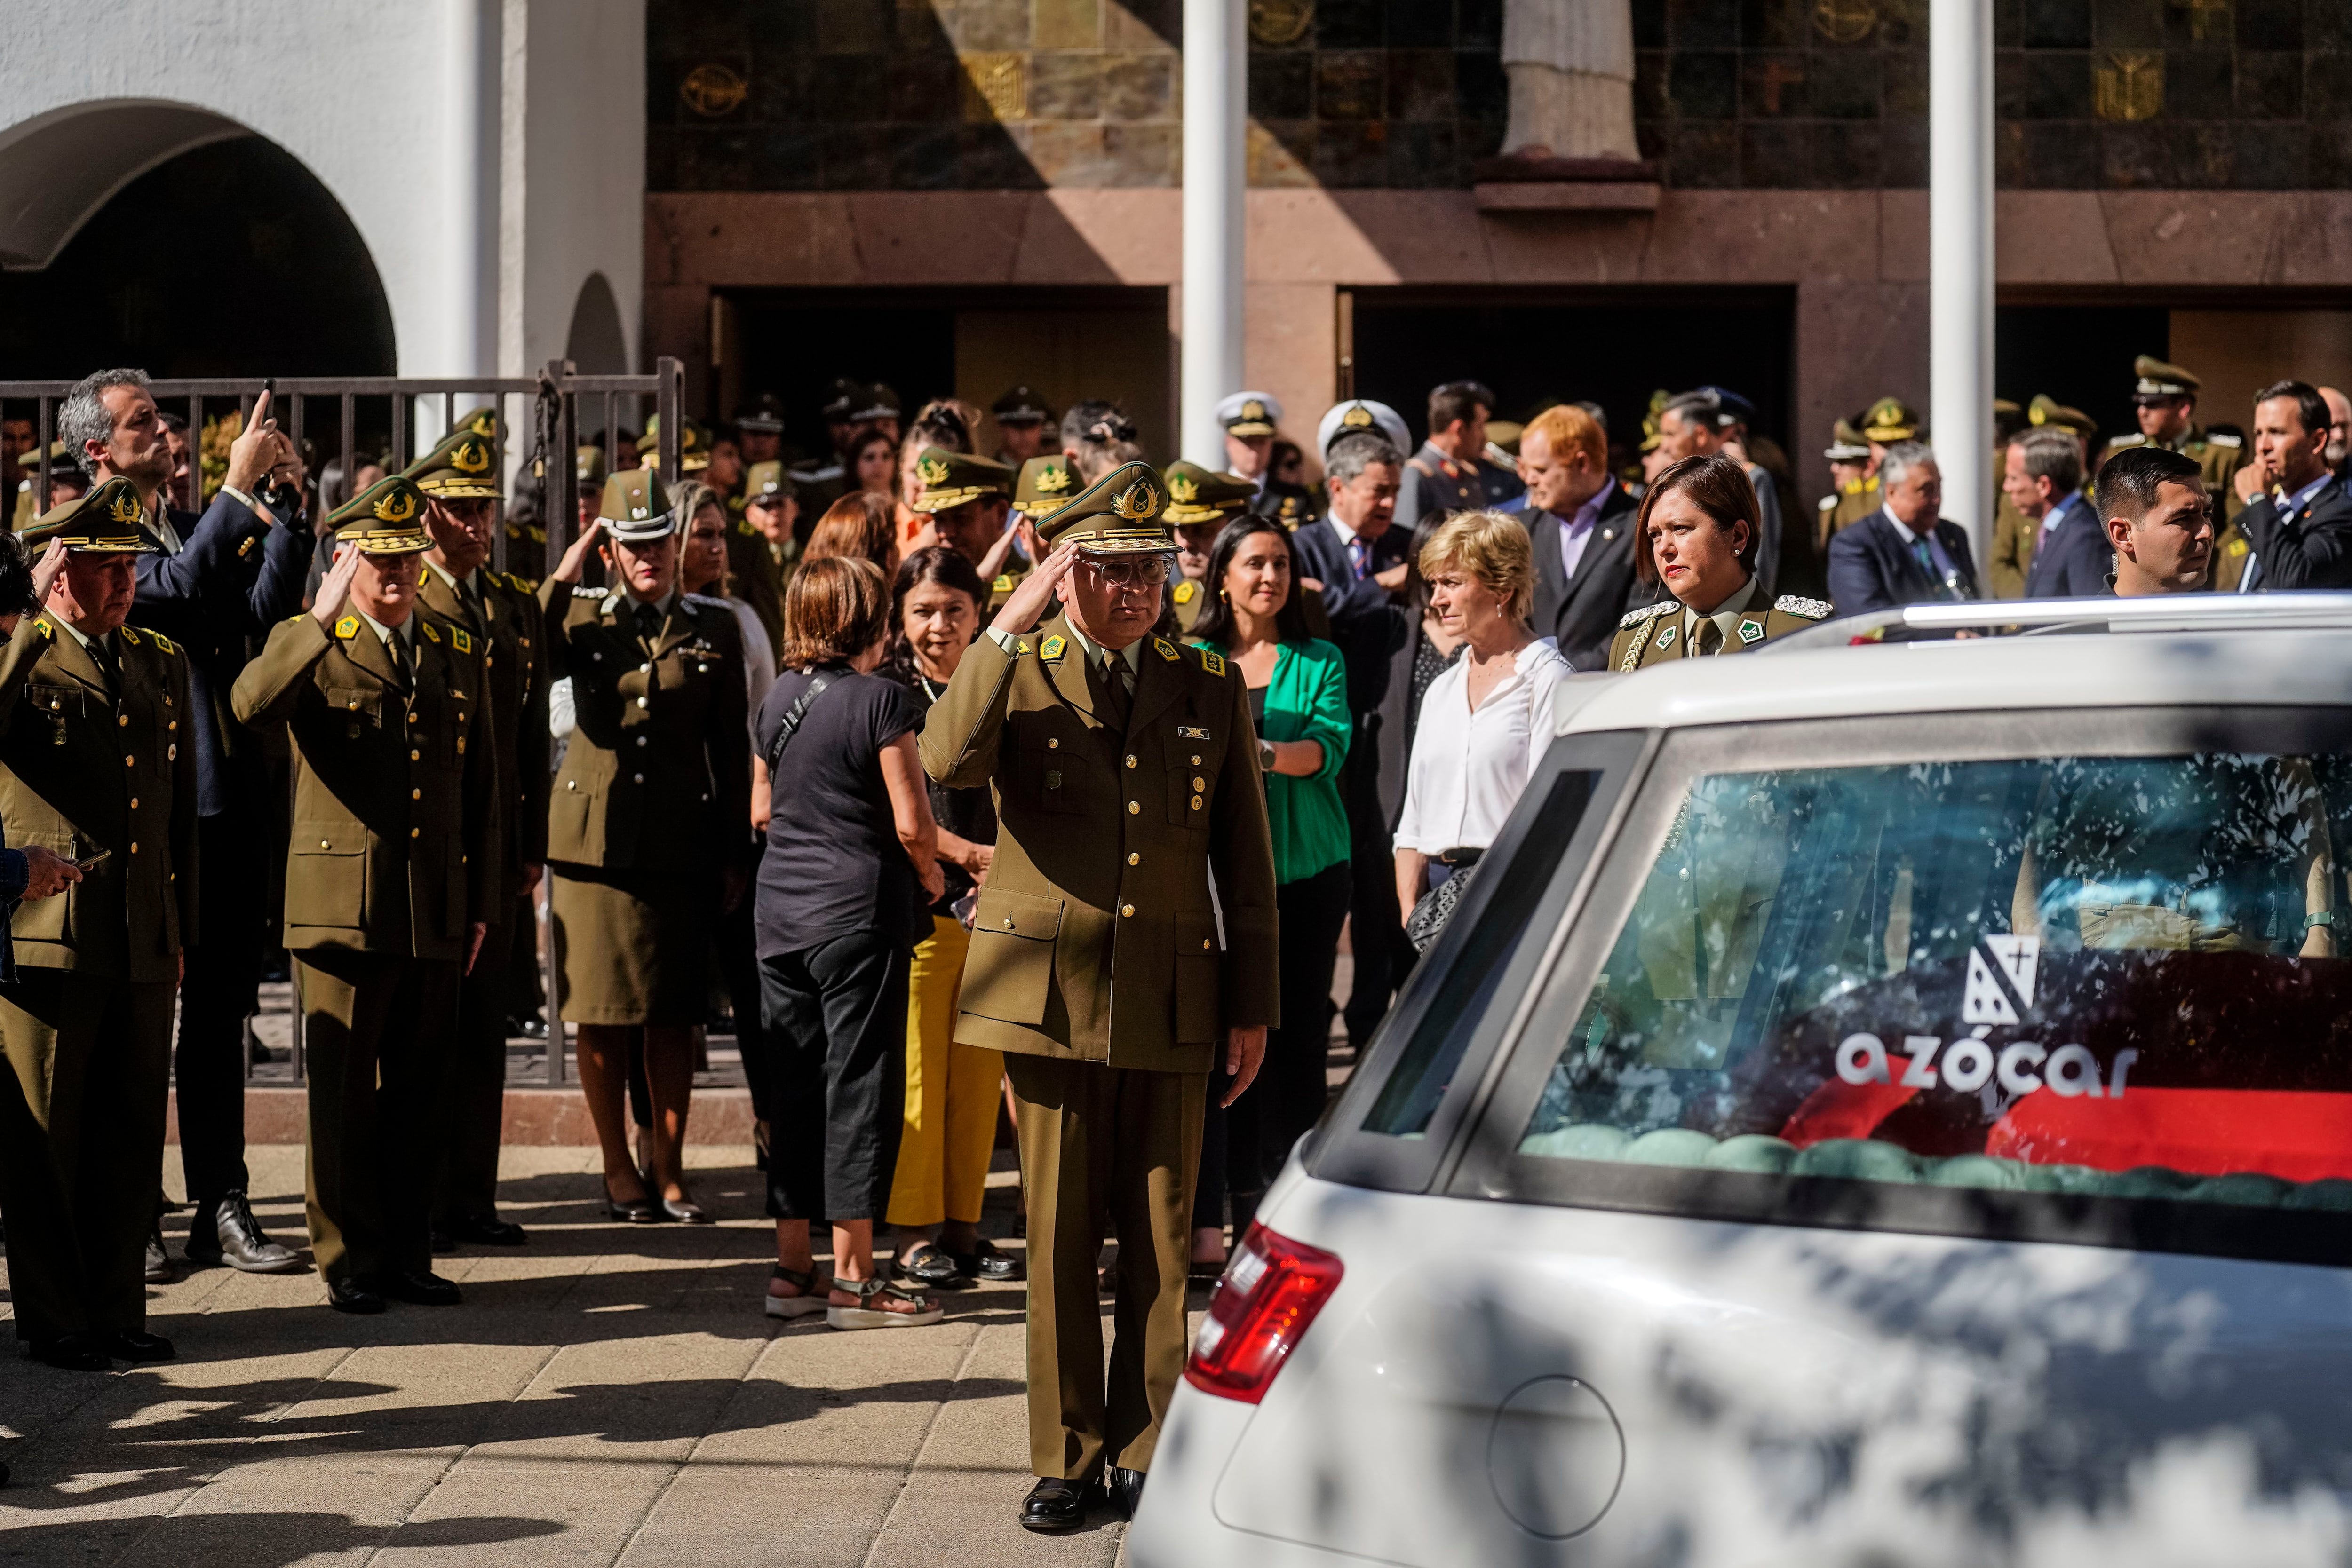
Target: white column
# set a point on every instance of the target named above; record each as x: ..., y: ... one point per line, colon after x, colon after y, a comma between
x: 468, y: 224
x: 1960, y: 268
x: 1216, y: 55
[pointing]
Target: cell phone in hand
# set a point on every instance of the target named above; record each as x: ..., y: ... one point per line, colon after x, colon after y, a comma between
x: 90, y: 862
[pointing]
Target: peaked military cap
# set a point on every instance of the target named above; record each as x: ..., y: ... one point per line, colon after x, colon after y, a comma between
x: 485, y: 423
x: 952, y: 478
x: 1118, y: 514
x: 693, y: 446
x: 842, y: 401
x: 1889, y: 419
x: 1046, y: 484
x: 386, y: 518
x: 1727, y: 407
x: 1651, y: 434
x: 1249, y: 413
x: 2046, y: 410
x: 635, y: 508
x: 107, y: 521
x: 464, y: 466
x: 765, y: 417
x: 2160, y: 383
x: 766, y: 483
x: 1362, y: 416
x: 588, y: 465
x: 1021, y: 406
x: 877, y: 401
x: 1846, y: 445
x: 1197, y: 495
x: 1504, y: 435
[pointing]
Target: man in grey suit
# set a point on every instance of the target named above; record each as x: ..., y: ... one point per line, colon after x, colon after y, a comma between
x: 1580, y: 522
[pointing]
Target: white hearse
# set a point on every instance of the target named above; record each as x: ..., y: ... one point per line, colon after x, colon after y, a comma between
x: 1876, y: 1105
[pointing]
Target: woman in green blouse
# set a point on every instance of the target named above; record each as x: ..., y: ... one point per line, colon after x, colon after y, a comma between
x: 1299, y: 697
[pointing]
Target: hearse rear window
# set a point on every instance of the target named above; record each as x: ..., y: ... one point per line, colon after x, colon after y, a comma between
x: 2106, y: 975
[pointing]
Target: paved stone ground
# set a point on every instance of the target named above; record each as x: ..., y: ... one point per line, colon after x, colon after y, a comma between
x: 607, y: 1394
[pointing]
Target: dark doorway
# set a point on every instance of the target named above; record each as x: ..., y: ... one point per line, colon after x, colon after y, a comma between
x: 1612, y: 347
x: 230, y: 260
x: 973, y: 343
x: 2081, y: 355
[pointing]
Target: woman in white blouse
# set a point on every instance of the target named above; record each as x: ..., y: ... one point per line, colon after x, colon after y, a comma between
x: 1486, y: 721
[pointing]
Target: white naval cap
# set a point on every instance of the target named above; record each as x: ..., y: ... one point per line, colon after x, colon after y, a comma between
x: 1249, y: 413
x: 1360, y: 414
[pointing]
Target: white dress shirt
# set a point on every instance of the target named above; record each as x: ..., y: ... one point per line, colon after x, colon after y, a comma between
x: 1468, y: 769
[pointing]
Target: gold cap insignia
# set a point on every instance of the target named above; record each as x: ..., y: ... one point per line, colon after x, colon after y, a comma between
x: 1138, y: 500
x: 1182, y: 490
x: 1253, y: 409
x: 1357, y: 418
x: 932, y: 471
x: 1053, y: 481
x: 124, y: 507
x: 396, y: 505
x: 471, y: 458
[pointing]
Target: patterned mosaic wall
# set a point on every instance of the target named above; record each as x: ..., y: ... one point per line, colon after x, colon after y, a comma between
x: 941, y: 94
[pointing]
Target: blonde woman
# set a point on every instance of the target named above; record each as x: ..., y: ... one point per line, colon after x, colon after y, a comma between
x: 1486, y: 721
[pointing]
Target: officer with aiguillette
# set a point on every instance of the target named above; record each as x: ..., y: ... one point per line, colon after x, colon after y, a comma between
x: 459, y: 478
x: 392, y: 882
x: 92, y: 771
x: 1126, y: 775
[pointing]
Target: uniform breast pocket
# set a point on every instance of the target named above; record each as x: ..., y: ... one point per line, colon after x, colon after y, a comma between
x: 49, y: 708
x: 361, y: 710
x: 1058, y: 779
x: 1009, y: 973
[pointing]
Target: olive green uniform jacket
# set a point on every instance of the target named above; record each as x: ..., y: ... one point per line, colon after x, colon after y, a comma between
x: 658, y: 773
x: 85, y: 771
x: 1654, y: 634
x: 516, y: 719
x: 395, y: 843
x: 1095, y: 938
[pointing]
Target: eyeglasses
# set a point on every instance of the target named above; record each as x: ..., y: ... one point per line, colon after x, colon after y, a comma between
x: 1138, y: 571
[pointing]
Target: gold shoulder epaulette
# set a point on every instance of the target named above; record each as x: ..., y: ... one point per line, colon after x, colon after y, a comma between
x: 1635, y: 617
x: 1810, y: 608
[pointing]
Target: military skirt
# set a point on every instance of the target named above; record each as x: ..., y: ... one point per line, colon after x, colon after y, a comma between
x: 633, y: 947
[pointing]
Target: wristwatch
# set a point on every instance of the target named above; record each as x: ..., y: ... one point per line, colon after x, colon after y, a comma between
x: 1266, y: 756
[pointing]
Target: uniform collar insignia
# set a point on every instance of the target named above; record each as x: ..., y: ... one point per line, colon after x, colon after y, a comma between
x: 349, y: 626
x: 1052, y: 648
x: 1666, y: 638
x: 1165, y: 648
x: 1750, y: 631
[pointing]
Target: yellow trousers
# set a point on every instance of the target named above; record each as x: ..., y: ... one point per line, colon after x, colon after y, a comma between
x: 952, y: 1092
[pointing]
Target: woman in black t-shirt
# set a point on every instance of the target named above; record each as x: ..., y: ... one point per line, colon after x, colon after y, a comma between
x: 850, y: 836
x: 952, y: 1090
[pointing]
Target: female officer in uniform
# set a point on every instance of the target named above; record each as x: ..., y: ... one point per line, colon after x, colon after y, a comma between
x: 654, y: 792
x: 1697, y: 534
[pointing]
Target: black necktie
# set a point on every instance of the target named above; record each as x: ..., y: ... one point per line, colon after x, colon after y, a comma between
x: 649, y: 620
x: 1116, y: 697
x: 110, y: 661
x: 470, y: 590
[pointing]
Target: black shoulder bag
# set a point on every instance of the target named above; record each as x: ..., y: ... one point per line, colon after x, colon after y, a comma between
x: 792, y: 720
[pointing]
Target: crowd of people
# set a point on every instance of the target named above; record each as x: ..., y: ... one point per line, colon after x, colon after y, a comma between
x: 1038, y: 783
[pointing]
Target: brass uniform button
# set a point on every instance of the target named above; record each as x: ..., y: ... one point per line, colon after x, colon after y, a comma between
x: 415, y: 832
x: 1130, y: 762
x: 134, y: 802
x: 1127, y: 911
x: 1134, y: 808
x: 135, y: 846
x: 1199, y: 782
x: 416, y: 794
x: 126, y: 762
x: 123, y: 719
x: 1053, y: 744
x: 415, y: 756
x: 1134, y: 859
x: 1196, y: 802
x: 1207, y: 945
x: 1196, y: 761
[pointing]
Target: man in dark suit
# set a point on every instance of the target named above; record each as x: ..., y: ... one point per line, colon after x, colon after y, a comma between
x: 1449, y: 474
x: 1357, y: 559
x: 2042, y: 478
x: 1903, y: 553
x: 2301, y: 524
x: 1580, y: 522
x: 215, y: 584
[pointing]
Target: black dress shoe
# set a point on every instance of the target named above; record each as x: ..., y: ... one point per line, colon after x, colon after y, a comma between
x: 1124, y: 1489
x: 685, y: 1211
x: 71, y: 1352
x: 224, y: 1232
x: 487, y: 1230
x: 630, y: 1211
x: 351, y: 1296
x: 139, y: 1347
x: 1055, y: 1506
x: 423, y: 1288
x: 984, y: 1263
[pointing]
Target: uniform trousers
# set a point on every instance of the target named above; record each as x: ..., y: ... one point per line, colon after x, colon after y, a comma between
x: 81, y: 1146
x: 1112, y: 1149
x: 376, y: 1032
x: 952, y: 1097
x: 472, y: 1117
x: 836, y: 1075
x: 217, y: 995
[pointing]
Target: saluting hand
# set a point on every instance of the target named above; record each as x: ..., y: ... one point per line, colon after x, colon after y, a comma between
x: 336, y: 586
x: 576, y: 560
x: 47, y: 570
x: 1028, y: 603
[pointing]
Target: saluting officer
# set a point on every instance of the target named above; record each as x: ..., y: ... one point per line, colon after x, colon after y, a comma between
x: 1126, y: 773
x: 649, y: 830
x: 1201, y: 501
x: 92, y: 770
x: 459, y: 478
x: 1695, y: 535
x: 1251, y: 419
x: 392, y: 882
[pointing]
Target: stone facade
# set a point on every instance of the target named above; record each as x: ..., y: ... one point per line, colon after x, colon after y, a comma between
x: 1409, y: 94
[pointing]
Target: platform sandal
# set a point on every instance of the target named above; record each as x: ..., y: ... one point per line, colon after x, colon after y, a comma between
x: 807, y: 1282
x: 862, y: 1316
